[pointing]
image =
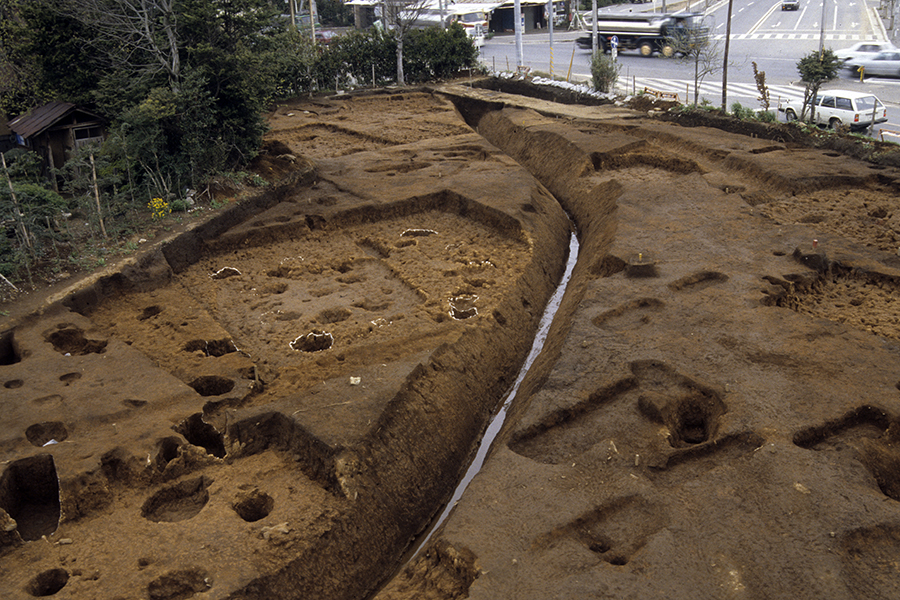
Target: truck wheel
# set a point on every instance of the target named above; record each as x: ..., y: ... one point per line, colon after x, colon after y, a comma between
x: 790, y: 115
x: 646, y: 49
x: 668, y: 51
x: 834, y: 124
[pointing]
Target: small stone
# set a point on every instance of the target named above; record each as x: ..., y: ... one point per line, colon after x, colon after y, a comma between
x: 801, y: 488
x: 64, y: 541
x: 225, y: 272
x: 267, y: 532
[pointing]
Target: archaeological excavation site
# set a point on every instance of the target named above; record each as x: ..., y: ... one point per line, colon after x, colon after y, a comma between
x: 475, y: 344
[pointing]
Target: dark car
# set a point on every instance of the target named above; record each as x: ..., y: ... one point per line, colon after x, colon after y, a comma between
x: 790, y: 4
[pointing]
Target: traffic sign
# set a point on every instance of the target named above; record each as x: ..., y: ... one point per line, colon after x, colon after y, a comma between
x: 614, y: 41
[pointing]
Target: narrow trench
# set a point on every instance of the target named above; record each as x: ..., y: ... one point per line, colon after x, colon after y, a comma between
x: 496, y: 423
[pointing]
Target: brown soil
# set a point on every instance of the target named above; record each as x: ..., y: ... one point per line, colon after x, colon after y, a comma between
x: 276, y: 402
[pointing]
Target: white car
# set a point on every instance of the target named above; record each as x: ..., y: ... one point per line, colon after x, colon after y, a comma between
x: 862, y: 50
x: 837, y: 108
x: 886, y: 64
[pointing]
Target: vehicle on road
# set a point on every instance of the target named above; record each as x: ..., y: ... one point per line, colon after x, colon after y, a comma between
x: 472, y: 17
x: 839, y: 108
x: 790, y: 5
x: 647, y: 32
x: 325, y: 36
x: 861, y: 50
x: 884, y: 64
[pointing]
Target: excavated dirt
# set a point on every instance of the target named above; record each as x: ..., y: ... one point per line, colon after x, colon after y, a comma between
x: 277, y: 402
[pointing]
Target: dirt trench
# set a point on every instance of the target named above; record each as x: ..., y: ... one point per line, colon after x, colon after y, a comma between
x: 715, y: 413
x: 277, y: 402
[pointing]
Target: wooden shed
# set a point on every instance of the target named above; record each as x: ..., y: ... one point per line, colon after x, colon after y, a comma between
x: 7, y: 137
x: 56, y: 129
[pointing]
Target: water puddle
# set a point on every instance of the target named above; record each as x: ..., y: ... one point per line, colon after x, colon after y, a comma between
x: 496, y: 422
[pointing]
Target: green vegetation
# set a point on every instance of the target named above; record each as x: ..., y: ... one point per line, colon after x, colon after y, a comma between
x: 183, y: 85
x: 604, y: 72
x: 815, y: 69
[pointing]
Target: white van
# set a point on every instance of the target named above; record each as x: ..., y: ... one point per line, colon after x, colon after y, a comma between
x: 834, y: 108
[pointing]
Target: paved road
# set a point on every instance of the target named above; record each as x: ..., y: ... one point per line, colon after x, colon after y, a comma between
x: 761, y: 33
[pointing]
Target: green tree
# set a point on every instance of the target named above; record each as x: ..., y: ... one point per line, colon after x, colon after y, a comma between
x: 334, y: 13
x: 815, y: 69
x: 436, y: 53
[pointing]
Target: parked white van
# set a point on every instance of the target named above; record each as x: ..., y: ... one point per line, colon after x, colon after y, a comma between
x: 836, y: 108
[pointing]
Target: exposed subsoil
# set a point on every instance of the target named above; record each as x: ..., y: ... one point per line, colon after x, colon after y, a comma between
x: 275, y: 403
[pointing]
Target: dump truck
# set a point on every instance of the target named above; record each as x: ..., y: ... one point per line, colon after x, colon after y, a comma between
x: 664, y: 34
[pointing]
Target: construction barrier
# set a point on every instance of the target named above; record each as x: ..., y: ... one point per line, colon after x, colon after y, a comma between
x: 889, y: 132
x: 662, y: 95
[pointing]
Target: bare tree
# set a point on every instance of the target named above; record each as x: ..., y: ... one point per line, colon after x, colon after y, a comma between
x: 402, y: 15
x: 760, y: 77
x: 697, y: 47
x: 145, y: 30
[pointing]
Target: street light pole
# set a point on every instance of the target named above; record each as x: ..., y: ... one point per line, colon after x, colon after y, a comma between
x: 822, y: 34
x: 725, y: 61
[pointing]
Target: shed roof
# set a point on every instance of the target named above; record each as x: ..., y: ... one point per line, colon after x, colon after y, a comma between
x: 44, y: 117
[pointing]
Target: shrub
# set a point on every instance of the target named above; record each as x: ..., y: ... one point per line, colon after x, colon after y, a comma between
x: 435, y: 53
x: 354, y: 55
x: 604, y: 72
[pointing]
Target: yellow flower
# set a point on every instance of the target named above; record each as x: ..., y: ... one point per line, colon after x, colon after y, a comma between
x: 159, y: 208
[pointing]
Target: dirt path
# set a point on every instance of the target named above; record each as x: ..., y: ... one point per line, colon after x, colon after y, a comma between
x: 276, y: 402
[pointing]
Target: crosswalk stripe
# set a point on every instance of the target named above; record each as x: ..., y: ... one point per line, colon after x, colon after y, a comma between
x: 831, y: 37
x: 711, y: 88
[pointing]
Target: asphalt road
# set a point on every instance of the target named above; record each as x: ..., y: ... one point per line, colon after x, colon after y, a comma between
x: 760, y: 32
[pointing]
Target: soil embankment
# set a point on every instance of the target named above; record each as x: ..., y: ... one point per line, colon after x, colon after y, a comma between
x: 275, y: 403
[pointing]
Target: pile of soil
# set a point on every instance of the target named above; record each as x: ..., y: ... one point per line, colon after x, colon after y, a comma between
x: 277, y: 402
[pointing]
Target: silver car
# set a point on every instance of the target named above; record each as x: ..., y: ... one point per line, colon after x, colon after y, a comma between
x: 862, y: 50
x: 885, y: 64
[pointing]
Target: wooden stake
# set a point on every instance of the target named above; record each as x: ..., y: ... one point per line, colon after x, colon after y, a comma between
x: 8, y: 282
x: 25, y: 237
x: 97, y: 196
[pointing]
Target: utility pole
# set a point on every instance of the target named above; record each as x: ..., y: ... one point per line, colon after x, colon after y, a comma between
x: 517, y: 15
x: 822, y: 34
x: 725, y: 62
x: 551, y: 12
x: 593, y: 28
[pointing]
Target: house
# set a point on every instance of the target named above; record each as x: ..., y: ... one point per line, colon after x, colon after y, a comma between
x: 497, y: 15
x: 55, y: 130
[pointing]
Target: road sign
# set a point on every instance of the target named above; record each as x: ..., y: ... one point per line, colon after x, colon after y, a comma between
x: 614, y: 41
